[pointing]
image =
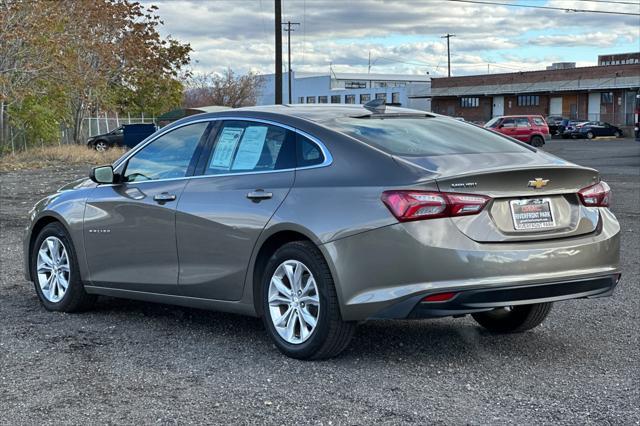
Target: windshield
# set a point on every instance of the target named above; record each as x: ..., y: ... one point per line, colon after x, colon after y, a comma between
x: 492, y: 123
x: 424, y: 136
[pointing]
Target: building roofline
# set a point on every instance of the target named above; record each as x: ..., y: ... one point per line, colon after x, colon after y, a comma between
x: 559, y: 70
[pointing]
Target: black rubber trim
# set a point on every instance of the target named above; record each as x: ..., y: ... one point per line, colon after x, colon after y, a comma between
x: 484, y: 299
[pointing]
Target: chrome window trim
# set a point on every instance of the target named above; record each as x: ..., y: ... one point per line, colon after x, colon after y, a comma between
x: 328, y: 158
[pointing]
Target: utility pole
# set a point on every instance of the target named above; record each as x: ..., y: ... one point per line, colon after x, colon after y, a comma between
x: 448, y: 36
x: 288, y: 30
x: 278, y: 5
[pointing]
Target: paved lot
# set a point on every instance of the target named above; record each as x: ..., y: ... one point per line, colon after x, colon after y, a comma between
x: 130, y: 362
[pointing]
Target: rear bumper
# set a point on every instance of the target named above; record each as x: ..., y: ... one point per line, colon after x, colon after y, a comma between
x: 398, y: 265
x: 484, y: 299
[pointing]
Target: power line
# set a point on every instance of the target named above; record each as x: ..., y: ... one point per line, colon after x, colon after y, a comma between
x: 612, y: 2
x: 530, y: 6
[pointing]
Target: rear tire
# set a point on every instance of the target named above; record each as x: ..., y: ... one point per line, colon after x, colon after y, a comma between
x: 330, y: 335
x: 513, y: 319
x: 53, y: 253
x: 537, y: 141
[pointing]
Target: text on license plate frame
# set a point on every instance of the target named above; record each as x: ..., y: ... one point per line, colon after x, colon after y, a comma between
x: 532, y: 224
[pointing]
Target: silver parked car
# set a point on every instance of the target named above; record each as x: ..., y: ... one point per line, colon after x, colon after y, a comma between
x: 317, y: 217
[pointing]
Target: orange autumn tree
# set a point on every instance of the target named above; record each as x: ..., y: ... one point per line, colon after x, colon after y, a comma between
x: 84, y: 55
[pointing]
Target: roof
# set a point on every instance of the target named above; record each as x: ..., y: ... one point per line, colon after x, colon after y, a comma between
x: 384, y: 77
x: 178, y: 113
x: 555, y: 80
x: 212, y: 108
x: 327, y: 112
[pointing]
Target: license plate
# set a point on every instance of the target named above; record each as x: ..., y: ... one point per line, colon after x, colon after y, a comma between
x: 532, y: 213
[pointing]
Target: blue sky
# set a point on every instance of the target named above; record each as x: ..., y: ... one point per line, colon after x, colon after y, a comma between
x: 402, y: 36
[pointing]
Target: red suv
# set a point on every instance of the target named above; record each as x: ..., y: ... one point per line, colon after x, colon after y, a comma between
x: 531, y: 129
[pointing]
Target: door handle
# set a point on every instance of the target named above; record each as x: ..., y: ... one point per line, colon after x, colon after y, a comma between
x: 164, y: 197
x: 259, y: 194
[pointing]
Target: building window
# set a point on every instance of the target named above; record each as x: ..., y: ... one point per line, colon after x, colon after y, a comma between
x: 301, y: 100
x: 322, y: 99
x: 335, y: 99
x: 395, y: 98
x: 469, y: 102
x: 355, y: 84
x: 311, y: 99
x: 606, y: 98
x: 349, y: 99
x: 364, y: 98
x: 382, y: 96
x: 529, y: 100
x: 380, y: 84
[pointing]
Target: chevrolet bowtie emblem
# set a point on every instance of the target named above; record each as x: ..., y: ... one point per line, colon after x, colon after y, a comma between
x: 538, y: 183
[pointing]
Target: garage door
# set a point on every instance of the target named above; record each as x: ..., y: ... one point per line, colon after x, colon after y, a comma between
x: 594, y: 107
x: 555, y: 106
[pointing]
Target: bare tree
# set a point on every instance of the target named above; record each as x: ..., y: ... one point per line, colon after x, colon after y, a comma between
x: 226, y: 89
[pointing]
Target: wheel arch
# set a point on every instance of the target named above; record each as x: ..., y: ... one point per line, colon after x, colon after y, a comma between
x: 269, y: 245
x: 35, y: 230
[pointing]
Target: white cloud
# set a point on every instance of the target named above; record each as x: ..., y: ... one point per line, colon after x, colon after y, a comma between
x: 403, y: 36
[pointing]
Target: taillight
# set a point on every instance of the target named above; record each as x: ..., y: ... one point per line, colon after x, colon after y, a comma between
x: 598, y: 195
x: 417, y: 205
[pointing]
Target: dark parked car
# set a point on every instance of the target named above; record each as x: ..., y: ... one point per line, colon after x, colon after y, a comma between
x: 568, y: 126
x: 554, y: 122
x: 128, y: 135
x: 593, y: 129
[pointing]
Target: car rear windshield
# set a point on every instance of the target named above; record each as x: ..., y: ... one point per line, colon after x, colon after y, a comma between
x: 425, y: 136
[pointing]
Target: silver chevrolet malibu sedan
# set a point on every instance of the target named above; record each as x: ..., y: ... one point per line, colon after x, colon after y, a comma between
x: 317, y: 217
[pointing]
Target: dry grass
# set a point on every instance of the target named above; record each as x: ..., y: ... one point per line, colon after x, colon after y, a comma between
x: 57, y: 156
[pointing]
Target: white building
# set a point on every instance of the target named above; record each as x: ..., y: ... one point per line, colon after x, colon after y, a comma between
x: 411, y: 91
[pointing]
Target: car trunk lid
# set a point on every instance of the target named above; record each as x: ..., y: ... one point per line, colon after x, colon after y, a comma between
x: 533, y: 197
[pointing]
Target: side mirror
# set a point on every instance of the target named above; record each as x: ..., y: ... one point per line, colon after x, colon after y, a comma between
x: 102, y: 174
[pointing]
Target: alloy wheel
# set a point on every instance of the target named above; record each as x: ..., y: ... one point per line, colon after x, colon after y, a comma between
x: 101, y: 146
x: 294, y: 303
x: 53, y: 269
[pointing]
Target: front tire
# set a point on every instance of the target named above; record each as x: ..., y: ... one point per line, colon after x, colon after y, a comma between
x: 300, y: 304
x: 617, y: 134
x: 513, y: 319
x: 101, y: 146
x: 590, y: 135
x: 54, y: 268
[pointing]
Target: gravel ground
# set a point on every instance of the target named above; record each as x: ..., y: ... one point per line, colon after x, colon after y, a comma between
x: 135, y: 363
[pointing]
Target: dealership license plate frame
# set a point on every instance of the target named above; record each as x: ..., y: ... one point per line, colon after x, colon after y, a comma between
x: 535, y: 225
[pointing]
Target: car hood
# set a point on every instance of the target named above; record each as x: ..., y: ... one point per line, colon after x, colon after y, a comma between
x: 461, y: 164
x: 78, y: 184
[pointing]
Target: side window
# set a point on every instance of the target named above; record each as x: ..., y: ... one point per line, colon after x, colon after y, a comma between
x: 538, y: 121
x: 508, y: 123
x: 309, y: 154
x: 245, y: 146
x: 523, y: 122
x: 166, y: 157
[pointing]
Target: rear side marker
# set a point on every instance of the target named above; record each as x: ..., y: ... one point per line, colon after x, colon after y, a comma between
x: 439, y: 297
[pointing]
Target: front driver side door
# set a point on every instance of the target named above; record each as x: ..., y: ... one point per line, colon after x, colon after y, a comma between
x: 129, y: 227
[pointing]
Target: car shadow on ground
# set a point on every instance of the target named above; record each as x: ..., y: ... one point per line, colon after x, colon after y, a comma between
x: 434, y: 340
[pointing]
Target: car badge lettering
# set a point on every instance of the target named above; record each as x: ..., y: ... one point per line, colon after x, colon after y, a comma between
x: 464, y: 185
x: 538, y: 183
